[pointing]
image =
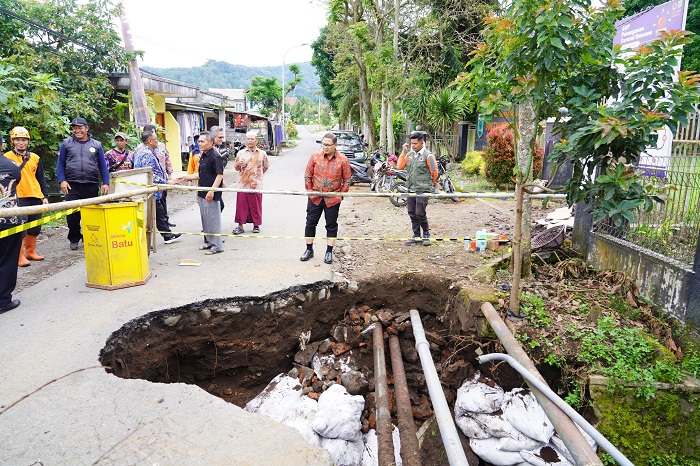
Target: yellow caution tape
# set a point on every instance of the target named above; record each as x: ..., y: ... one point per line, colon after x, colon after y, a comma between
x: 36, y: 223
x: 258, y: 236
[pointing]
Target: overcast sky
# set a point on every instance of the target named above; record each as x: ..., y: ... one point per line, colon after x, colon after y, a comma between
x: 178, y: 33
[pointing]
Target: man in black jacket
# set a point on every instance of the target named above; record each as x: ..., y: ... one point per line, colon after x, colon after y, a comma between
x: 80, y: 169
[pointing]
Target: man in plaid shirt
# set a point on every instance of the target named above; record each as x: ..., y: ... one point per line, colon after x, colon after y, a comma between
x: 327, y: 171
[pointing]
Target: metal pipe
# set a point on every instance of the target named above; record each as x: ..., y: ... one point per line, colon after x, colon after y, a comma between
x: 448, y: 431
x: 410, y: 450
x: 385, y: 442
x: 580, y: 450
x: 568, y: 410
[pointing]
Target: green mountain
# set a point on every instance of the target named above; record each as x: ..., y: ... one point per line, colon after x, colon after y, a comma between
x: 220, y: 74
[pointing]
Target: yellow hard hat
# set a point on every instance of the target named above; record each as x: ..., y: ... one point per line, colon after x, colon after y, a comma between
x: 19, y: 132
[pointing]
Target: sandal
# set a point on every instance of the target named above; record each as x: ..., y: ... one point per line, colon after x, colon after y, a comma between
x: 238, y: 231
x: 213, y: 251
x: 204, y: 247
x: 256, y: 229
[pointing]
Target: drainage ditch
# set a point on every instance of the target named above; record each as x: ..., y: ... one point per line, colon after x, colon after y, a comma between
x: 233, y: 348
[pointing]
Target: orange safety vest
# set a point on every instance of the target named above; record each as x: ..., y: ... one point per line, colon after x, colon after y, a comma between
x: 28, y: 186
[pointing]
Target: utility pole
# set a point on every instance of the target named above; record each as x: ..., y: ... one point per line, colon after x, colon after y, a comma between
x: 138, y: 94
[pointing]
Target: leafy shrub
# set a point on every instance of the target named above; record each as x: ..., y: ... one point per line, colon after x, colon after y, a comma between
x: 499, y: 156
x: 473, y: 163
x: 292, y: 132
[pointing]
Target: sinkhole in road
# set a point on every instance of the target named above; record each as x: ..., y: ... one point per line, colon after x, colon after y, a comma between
x: 233, y: 348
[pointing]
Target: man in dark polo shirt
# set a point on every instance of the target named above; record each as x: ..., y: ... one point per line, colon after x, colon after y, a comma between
x: 211, y: 174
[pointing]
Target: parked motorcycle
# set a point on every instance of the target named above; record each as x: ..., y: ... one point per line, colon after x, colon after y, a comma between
x: 398, y: 183
x: 362, y: 171
x: 229, y: 153
x: 397, y: 180
x: 444, y: 180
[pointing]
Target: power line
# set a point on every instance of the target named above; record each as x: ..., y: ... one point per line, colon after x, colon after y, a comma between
x: 12, y: 14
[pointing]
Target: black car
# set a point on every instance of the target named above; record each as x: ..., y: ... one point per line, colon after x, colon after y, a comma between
x: 351, y: 145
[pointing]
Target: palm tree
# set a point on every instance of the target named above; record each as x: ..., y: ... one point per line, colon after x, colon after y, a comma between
x: 445, y: 108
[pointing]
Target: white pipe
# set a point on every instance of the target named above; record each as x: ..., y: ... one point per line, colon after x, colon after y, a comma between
x: 448, y: 431
x: 561, y: 404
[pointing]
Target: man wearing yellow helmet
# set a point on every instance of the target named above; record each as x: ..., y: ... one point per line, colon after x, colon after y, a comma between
x: 31, y: 189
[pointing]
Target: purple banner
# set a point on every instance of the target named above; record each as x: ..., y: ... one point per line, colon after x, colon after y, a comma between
x: 645, y: 27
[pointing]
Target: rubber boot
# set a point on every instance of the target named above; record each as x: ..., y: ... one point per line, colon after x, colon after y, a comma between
x: 22, y: 262
x: 30, y: 244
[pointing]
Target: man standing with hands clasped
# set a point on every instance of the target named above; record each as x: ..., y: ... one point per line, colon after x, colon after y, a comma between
x: 252, y: 163
x: 81, y: 169
x: 327, y: 171
x: 422, y: 174
x: 210, y: 174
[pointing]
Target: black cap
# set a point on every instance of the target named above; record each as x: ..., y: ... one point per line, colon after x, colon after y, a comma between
x: 78, y: 122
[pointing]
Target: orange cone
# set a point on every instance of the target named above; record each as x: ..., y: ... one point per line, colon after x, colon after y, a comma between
x: 30, y: 244
x: 22, y: 262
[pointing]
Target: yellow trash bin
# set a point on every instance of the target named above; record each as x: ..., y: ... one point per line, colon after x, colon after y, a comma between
x: 116, y: 251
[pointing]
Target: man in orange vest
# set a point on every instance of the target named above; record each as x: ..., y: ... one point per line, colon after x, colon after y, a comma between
x: 31, y: 189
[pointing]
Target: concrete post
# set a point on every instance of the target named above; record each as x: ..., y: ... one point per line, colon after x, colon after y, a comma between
x: 583, y: 222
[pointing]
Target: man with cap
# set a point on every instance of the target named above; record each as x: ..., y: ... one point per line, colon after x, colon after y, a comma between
x: 31, y: 189
x: 81, y: 171
x: 119, y: 158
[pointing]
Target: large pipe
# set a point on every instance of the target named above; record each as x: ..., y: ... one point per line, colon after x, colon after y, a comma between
x: 385, y: 442
x: 410, y: 450
x: 568, y: 410
x: 448, y: 431
x: 580, y: 450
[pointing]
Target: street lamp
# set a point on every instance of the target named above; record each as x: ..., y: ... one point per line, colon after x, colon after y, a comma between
x: 284, y: 138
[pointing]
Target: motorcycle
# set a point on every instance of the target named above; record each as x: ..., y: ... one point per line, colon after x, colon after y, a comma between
x: 361, y: 170
x: 230, y: 153
x: 444, y: 181
x: 397, y: 184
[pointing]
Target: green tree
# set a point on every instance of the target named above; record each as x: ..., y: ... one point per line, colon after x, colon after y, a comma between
x: 322, y: 60
x: 56, y: 71
x: 445, y: 108
x: 265, y: 92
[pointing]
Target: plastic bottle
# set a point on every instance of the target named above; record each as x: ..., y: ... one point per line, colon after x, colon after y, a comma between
x: 481, y: 240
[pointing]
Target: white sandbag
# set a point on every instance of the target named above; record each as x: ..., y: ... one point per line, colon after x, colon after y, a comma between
x: 344, y: 453
x: 523, y: 411
x: 560, y: 447
x: 470, y: 427
x: 301, y: 417
x: 487, y: 450
x: 277, y: 398
x: 496, y: 425
x: 339, y: 414
x: 476, y: 397
x: 537, y: 457
x: 370, y: 457
x: 518, y: 444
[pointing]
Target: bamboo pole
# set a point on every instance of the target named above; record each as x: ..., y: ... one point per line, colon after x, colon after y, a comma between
x: 44, y: 208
